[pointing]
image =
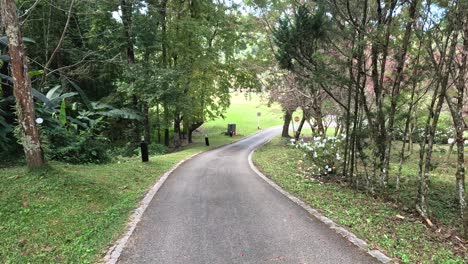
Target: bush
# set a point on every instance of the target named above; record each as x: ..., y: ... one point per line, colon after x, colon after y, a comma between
x: 157, y: 149
x: 325, y: 152
x: 443, y: 132
x: 66, y: 145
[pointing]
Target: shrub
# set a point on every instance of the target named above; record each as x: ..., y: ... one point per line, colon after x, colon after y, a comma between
x: 325, y: 152
x: 443, y: 132
x: 157, y: 149
x: 69, y: 146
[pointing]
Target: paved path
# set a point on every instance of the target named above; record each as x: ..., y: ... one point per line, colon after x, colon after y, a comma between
x: 215, y: 209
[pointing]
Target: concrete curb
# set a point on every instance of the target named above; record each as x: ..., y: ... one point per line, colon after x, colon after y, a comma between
x: 114, y: 252
x: 327, y: 221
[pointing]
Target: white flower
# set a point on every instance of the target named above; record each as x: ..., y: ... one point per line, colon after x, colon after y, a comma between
x: 329, y: 169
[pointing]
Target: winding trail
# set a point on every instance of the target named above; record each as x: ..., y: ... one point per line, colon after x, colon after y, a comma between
x: 215, y: 209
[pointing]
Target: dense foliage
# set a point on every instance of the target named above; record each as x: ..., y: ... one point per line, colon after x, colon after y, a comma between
x: 391, y: 70
x: 107, y: 73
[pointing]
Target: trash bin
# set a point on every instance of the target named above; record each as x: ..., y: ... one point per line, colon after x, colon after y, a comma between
x: 231, y: 129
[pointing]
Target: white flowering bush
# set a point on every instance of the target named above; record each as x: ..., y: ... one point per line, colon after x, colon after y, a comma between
x: 442, y: 135
x: 326, y: 154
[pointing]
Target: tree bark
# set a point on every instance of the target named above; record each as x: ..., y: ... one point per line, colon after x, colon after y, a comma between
x: 22, y: 87
x: 127, y: 21
x: 319, y: 120
x: 192, y: 128
x: 431, y: 125
x: 158, y: 123
x: 299, y: 128
x: 287, y: 121
x: 146, y: 123
x: 166, y: 125
x: 406, y: 132
x: 127, y: 7
x: 413, y: 13
x: 177, y: 141
x: 456, y: 110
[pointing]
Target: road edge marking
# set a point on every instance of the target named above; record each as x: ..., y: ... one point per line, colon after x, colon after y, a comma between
x: 361, y: 244
x: 114, y: 252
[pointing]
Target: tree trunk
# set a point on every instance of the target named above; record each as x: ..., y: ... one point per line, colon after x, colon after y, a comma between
x: 405, y: 133
x: 319, y: 120
x: 166, y: 125
x: 395, y: 95
x: 166, y: 137
x: 299, y: 128
x: 317, y: 114
x: 287, y: 121
x: 456, y: 110
x: 22, y: 87
x: 177, y: 141
x: 431, y: 125
x: 352, y: 163
x: 158, y: 124
x: 62, y: 77
x: 146, y: 123
x: 193, y: 127
x: 127, y: 21
x: 127, y: 7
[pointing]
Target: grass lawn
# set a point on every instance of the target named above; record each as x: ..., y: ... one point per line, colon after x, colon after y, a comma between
x: 73, y: 213
x: 372, y: 219
x: 243, y: 112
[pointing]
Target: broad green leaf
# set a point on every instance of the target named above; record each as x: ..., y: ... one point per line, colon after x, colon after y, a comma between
x: 42, y: 98
x: 83, y: 95
x: 66, y: 95
x: 4, y: 40
x: 54, y: 92
x: 63, y: 113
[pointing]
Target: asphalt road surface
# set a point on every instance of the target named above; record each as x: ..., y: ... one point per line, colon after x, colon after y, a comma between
x: 215, y: 209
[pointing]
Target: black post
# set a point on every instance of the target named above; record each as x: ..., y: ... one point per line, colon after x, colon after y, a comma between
x: 144, y: 151
x: 207, y: 141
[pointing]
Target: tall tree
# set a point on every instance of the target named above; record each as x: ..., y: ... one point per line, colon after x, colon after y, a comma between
x: 22, y: 86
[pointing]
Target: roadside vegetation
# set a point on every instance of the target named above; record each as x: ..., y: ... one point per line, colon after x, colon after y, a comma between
x: 84, y: 82
x: 391, y: 78
x: 71, y: 213
x: 389, y: 225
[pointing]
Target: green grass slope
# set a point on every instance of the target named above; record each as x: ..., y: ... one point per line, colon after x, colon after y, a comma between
x: 243, y: 112
x: 385, y: 225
